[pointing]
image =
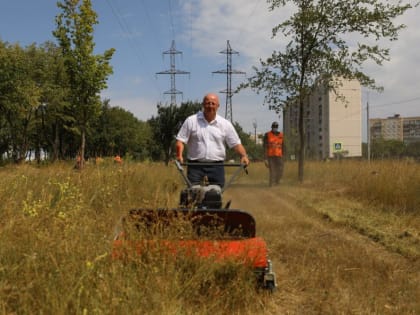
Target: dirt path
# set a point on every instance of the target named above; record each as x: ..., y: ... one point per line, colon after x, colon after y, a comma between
x: 323, y: 268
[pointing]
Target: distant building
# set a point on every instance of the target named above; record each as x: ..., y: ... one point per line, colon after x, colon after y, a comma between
x: 259, y: 138
x: 405, y: 129
x: 333, y: 121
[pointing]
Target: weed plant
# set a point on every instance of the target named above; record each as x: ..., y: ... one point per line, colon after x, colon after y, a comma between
x: 56, y: 231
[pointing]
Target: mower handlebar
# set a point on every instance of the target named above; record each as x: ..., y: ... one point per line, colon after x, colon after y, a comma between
x: 211, y: 164
x: 240, y: 166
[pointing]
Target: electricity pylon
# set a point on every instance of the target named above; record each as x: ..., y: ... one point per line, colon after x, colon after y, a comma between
x: 173, y: 72
x: 229, y: 71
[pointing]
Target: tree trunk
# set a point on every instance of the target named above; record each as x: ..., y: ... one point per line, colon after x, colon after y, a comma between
x: 168, y: 153
x: 38, y: 153
x: 82, y: 148
x: 56, y: 142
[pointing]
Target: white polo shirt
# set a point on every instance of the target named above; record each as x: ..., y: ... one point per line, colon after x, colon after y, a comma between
x: 206, y: 141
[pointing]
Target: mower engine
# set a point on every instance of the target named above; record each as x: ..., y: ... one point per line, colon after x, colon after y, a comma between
x: 202, y: 197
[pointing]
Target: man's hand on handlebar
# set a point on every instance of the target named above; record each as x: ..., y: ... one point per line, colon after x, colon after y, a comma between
x: 245, y: 160
x: 180, y: 159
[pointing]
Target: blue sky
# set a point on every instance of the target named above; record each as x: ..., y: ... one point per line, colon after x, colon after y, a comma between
x: 141, y: 30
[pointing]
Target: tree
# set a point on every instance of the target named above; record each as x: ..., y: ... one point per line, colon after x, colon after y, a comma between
x: 33, y: 100
x: 319, y: 46
x: 19, y: 97
x: 413, y: 150
x: 87, y: 73
x: 254, y: 151
x: 387, y: 149
x: 53, y: 113
x: 4, y: 88
x: 167, y: 123
x: 118, y: 131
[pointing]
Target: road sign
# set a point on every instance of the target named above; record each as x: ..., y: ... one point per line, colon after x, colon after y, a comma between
x: 338, y: 146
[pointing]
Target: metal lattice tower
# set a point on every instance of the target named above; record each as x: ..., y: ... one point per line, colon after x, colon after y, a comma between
x: 173, y: 72
x: 229, y: 71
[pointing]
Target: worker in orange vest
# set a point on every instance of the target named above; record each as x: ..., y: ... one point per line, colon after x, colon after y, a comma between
x: 273, y: 153
x: 118, y: 159
x: 78, y: 162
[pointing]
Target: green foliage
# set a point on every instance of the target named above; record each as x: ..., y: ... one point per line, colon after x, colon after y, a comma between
x: 318, y: 47
x: 87, y: 73
x: 254, y: 151
x: 166, y: 125
x: 387, y: 149
x: 392, y: 149
x: 36, y: 112
x: 53, y: 114
x: 413, y: 150
x: 117, y: 131
x: 20, y: 96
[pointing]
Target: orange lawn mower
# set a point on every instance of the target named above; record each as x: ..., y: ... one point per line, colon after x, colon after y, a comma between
x: 201, y: 227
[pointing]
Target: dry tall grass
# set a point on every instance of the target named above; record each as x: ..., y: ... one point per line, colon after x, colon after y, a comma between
x: 379, y: 199
x: 57, y: 225
x: 334, y: 253
x: 392, y: 185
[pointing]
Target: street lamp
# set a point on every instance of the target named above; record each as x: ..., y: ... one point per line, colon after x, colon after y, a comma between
x: 254, y: 124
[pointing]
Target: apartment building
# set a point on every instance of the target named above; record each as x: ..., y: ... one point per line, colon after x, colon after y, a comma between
x: 406, y: 129
x: 332, y: 119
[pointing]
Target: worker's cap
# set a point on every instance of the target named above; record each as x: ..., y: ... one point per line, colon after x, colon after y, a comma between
x: 275, y: 124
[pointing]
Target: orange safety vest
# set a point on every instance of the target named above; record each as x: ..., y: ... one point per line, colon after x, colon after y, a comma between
x: 274, y: 144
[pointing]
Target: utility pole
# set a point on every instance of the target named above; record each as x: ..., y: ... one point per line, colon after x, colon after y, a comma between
x: 368, y: 129
x: 229, y: 71
x: 173, y: 72
x: 254, y: 124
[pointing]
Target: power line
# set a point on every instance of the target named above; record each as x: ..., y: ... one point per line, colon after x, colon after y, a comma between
x: 171, y: 19
x: 189, y: 63
x: 399, y: 102
x: 246, y: 21
x: 123, y: 26
x: 151, y: 24
x: 126, y: 30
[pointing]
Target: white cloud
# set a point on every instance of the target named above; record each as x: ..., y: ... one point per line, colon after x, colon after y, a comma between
x: 248, y: 26
x: 400, y: 76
